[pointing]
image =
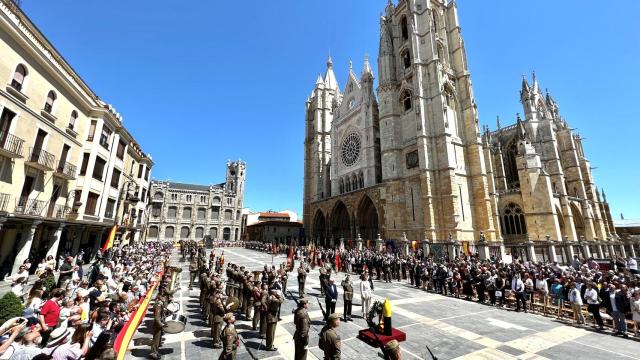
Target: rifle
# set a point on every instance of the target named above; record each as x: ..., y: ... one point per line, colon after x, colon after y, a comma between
x: 324, y: 315
x: 385, y: 354
x: 294, y: 299
x: 433, y: 357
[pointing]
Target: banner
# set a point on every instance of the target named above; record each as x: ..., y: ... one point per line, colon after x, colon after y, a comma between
x: 465, y: 248
x: 290, y: 258
x: 121, y: 344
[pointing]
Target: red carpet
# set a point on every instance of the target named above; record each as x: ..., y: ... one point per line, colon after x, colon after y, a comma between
x: 369, y: 338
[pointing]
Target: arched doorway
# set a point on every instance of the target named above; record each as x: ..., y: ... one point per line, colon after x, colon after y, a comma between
x: 340, y: 227
x: 319, y: 227
x: 578, y: 222
x: 368, y: 219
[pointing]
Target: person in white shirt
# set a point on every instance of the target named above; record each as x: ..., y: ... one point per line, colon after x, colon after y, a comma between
x: 632, y: 265
x: 518, y: 288
x: 542, y: 287
x: 365, y: 294
x: 576, y: 303
x: 593, y: 304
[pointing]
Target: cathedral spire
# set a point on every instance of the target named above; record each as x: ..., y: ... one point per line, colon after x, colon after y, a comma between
x: 366, y: 68
x: 522, y: 132
x: 536, y: 86
x: 604, y: 196
x: 329, y: 77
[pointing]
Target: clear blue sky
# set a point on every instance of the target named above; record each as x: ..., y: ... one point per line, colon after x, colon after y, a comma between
x: 199, y: 82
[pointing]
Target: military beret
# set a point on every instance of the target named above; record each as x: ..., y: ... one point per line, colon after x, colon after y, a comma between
x: 391, y: 345
x: 227, y: 317
x: 334, y: 316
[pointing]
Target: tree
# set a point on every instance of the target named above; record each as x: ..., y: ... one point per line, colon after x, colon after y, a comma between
x: 10, y: 307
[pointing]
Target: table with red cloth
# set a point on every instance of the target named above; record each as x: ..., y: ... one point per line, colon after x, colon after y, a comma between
x: 368, y: 337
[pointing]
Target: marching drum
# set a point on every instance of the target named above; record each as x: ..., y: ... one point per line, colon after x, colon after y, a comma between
x: 175, y: 323
x: 173, y: 307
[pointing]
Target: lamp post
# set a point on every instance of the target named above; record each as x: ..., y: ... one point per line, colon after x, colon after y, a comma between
x: 133, y: 199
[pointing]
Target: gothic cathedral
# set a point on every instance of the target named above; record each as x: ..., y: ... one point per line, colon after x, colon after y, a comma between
x: 411, y: 164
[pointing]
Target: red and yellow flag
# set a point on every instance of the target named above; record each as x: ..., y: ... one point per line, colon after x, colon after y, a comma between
x: 112, y: 236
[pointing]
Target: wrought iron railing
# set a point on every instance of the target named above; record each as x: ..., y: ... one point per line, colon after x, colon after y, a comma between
x: 68, y: 169
x: 42, y: 157
x: 16, y: 85
x: 11, y: 143
x: 30, y: 206
x: 48, y: 108
x: 4, y: 201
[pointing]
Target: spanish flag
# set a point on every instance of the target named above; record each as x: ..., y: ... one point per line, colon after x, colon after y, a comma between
x: 112, y: 235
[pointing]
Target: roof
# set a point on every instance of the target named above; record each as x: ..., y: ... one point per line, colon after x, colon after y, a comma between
x: 191, y: 187
x: 627, y: 223
x: 274, y: 215
x: 277, y: 223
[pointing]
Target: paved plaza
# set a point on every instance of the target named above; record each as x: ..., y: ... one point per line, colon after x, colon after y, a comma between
x: 452, y: 328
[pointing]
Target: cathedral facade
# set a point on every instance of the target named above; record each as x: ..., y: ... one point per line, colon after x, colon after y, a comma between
x: 409, y: 163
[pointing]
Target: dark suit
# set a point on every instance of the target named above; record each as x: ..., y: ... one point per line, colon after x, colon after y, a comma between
x: 622, y: 307
x: 330, y: 299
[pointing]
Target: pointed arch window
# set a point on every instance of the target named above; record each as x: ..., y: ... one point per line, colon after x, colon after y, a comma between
x: 341, y: 186
x: 18, y: 77
x: 511, y: 167
x: 513, y: 220
x: 405, y: 99
x: 406, y: 59
x: 361, y: 180
x: 51, y: 98
x: 404, y: 28
x: 72, y: 119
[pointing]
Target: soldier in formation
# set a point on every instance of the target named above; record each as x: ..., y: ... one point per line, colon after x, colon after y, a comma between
x: 347, y: 287
x: 329, y: 341
x: 230, y: 339
x: 301, y: 335
x: 302, y: 278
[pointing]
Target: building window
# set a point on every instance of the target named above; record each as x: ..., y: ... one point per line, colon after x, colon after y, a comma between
x: 511, y: 167
x: 235, y: 237
x: 18, y: 77
x: 72, y: 119
x: 144, y: 194
x: 199, y: 233
x: 153, y: 232
x: 171, y: 212
x: 226, y: 234
x: 111, y: 205
x: 158, y: 196
x: 92, y: 130
x: 155, y: 210
x: 513, y: 221
x: 174, y: 197
x: 189, y: 198
x: 51, y: 98
x: 140, y: 169
x: 213, y: 232
x: 237, y: 215
x: 215, y: 201
x: 186, y: 213
x: 146, y: 174
x: 92, y: 202
x: 203, y: 199
x: 105, y: 136
x: 406, y: 59
x: 120, y: 152
x: 215, y: 212
x: 184, y: 232
x: 115, y: 178
x: 202, y: 213
x: 404, y: 28
x: 228, y: 214
x: 85, y: 163
x: 405, y: 98
x: 98, y: 168
x: 169, y: 232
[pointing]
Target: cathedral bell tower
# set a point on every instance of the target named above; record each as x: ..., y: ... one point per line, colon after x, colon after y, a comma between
x: 317, y: 143
x: 430, y: 142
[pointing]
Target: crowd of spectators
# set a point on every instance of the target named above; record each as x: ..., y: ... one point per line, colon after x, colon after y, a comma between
x: 608, y: 293
x: 71, y: 315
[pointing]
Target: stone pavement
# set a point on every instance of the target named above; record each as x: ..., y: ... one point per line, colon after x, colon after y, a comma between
x: 452, y: 328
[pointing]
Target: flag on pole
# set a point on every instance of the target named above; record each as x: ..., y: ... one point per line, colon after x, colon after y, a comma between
x: 110, y: 238
x: 337, y: 261
x: 290, y: 258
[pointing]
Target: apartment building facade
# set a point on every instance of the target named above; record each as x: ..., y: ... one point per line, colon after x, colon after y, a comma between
x: 66, y: 159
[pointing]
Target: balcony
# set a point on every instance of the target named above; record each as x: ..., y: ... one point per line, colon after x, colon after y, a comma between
x: 15, y: 89
x: 41, y: 159
x: 10, y: 145
x: 58, y: 211
x: 4, y: 202
x: 28, y: 206
x: 66, y: 171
